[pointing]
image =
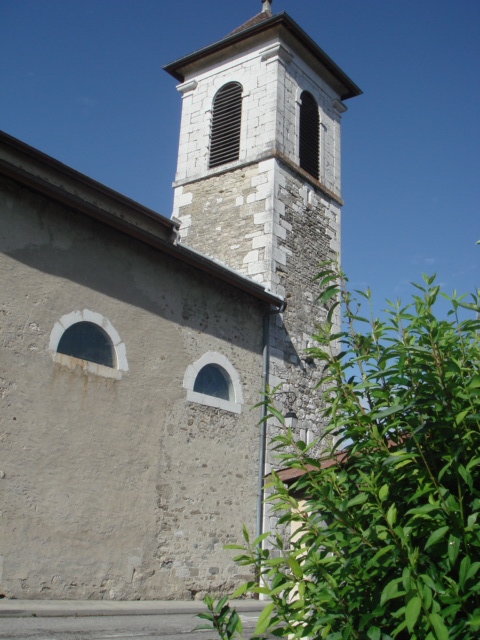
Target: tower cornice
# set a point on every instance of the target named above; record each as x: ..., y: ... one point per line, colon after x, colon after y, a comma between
x: 279, y: 25
x: 272, y: 154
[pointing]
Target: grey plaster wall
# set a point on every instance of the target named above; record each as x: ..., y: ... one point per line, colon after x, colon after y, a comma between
x: 117, y: 488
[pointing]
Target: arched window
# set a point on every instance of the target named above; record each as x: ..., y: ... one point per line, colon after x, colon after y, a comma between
x: 309, y: 135
x: 212, y: 381
x: 226, y: 124
x: 88, y: 341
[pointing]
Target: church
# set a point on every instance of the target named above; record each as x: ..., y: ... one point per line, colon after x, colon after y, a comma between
x: 134, y: 349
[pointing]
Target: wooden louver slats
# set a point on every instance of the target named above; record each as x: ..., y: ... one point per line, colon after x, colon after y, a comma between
x: 309, y: 135
x: 226, y: 124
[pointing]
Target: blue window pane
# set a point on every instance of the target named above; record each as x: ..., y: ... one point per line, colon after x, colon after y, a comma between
x: 213, y: 380
x: 88, y: 341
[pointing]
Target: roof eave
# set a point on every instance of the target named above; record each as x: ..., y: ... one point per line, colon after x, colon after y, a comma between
x: 43, y: 160
x: 152, y: 234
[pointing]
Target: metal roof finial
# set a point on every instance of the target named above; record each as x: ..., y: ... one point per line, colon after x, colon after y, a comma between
x: 266, y: 6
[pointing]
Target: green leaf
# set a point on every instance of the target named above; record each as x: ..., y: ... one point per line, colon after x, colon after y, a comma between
x: 329, y: 293
x: 204, y: 616
x: 387, y: 412
x: 208, y: 601
x: 453, y: 549
x: 407, y: 578
x: 264, y: 619
x: 233, y: 546
x: 391, y: 515
x: 275, y: 413
x: 404, y: 462
x: 474, y: 383
x: 427, y: 597
x: 383, y: 493
x: 295, y: 567
x: 220, y: 604
x: 474, y: 622
x: 374, y: 633
x: 437, y: 535
x: 390, y: 591
x: 332, y: 310
x: 265, y: 590
x: 412, y: 611
x: 469, y: 305
x: 204, y: 627
x: 473, y: 570
x: 381, y: 552
x: 360, y: 498
x: 429, y: 582
x: 439, y: 627
x: 260, y: 539
x: 459, y: 417
x: 426, y: 508
x: 463, y: 571
x: 241, y: 590
x: 234, y: 624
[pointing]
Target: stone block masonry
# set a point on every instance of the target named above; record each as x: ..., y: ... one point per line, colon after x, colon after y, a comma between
x: 267, y: 222
x: 229, y: 217
x: 312, y: 224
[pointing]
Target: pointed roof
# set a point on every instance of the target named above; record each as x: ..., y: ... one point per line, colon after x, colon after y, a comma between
x: 260, y: 17
x: 262, y: 25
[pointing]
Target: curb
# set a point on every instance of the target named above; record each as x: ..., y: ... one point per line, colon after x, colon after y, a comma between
x: 82, y: 608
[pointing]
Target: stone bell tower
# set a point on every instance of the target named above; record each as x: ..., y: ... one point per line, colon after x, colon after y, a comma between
x: 258, y: 177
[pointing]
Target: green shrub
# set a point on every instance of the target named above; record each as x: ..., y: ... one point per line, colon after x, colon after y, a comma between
x: 388, y: 539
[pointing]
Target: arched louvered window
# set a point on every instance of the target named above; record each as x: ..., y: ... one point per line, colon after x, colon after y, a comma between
x: 226, y: 123
x: 309, y: 135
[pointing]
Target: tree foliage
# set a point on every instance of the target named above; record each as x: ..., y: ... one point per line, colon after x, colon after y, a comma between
x: 388, y: 537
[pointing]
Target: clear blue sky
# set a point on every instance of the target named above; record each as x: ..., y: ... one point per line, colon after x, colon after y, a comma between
x: 81, y: 80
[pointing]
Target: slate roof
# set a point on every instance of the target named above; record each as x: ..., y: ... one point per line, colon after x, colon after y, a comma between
x: 260, y: 17
x: 264, y: 22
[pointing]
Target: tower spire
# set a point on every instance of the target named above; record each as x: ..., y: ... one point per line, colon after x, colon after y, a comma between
x: 267, y: 6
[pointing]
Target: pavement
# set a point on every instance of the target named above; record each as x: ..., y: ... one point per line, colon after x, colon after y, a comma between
x: 80, y: 608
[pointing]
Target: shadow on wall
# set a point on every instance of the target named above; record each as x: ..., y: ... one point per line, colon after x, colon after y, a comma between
x: 52, y: 239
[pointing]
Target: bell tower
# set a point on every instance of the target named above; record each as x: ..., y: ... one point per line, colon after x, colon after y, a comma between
x: 257, y: 185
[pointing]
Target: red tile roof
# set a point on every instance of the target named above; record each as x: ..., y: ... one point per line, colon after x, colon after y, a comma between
x: 290, y: 474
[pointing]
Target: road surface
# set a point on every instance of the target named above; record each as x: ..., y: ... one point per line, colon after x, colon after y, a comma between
x: 136, y: 627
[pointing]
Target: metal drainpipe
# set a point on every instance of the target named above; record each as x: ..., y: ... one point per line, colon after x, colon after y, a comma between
x: 263, y: 424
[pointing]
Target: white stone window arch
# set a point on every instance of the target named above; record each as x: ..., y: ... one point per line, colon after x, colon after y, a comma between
x: 118, y: 364
x: 200, y: 379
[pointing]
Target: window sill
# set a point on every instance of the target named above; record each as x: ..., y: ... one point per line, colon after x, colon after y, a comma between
x: 211, y: 401
x: 87, y: 366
